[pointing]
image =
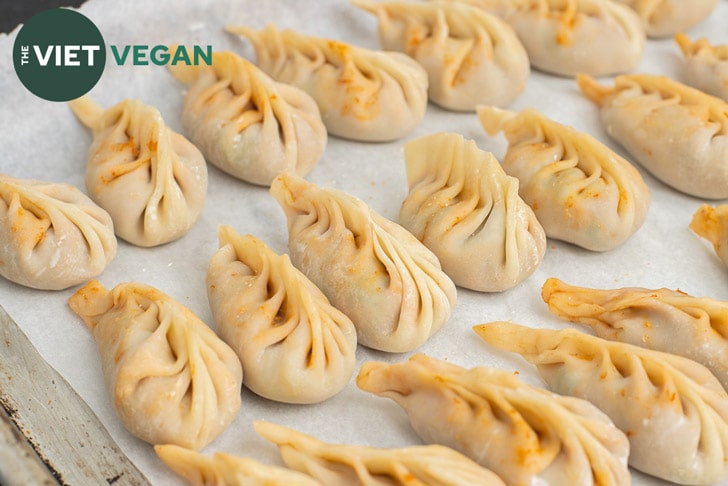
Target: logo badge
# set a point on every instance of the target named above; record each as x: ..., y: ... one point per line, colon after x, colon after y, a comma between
x: 59, y: 55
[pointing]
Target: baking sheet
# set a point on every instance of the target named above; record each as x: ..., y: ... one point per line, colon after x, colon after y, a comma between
x: 43, y: 140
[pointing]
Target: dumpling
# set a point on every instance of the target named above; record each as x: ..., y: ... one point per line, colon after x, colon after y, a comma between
x: 465, y: 209
x: 524, y: 434
x: 388, y: 283
x: 667, y: 17
x: 660, y: 319
x: 52, y: 236
x: 567, y: 37
x: 581, y: 191
x: 673, y: 410
x: 227, y: 470
x: 248, y: 125
x: 471, y: 56
x: 294, y: 346
x: 170, y: 379
x: 674, y: 131
x: 363, y: 94
x: 151, y: 180
x: 711, y: 223
x: 706, y: 66
x: 346, y: 465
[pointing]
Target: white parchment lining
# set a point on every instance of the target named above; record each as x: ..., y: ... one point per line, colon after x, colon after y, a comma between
x: 43, y: 140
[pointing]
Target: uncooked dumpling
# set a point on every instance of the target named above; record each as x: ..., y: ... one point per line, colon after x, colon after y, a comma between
x: 389, y: 284
x: 471, y: 56
x: 465, y: 209
x: 247, y: 124
x: 660, y: 319
x: 567, y: 37
x: 363, y: 94
x: 151, y: 180
x: 294, y: 345
x: 522, y: 433
x: 706, y: 65
x: 52, y: 236
x: 711, y: 223
x: 667, y: 17
x: 347, y: 465
x: 674, y: 131
x: 170, y: 379
x: 227, y: 470
x: 581, y: 190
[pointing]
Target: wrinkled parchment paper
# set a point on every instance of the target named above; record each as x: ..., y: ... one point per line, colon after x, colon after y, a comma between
x: 43, y: 140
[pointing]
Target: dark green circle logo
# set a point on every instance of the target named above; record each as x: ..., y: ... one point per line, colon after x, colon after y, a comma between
x: 59, y: 55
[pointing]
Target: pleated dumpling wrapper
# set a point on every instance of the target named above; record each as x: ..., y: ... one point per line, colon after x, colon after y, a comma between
x: 677, y: 133
x: 294, y: 345
x: 227, y: 470
x: 706, y: 65
x: 667, y: 17
x: 524, y: 434
x: 673, y: 410
x: 151, y: 180
x: 363, y: 94
x: 711, y: 223
x: 581, y: 190
x: 471, y: 56
x: 465, y: 209
x: 566, y: 37
x: 660, y: 319
x: 247, y: 124
x: 170, y: 379
x: 345, y: 465
x: 52, y: 236
x: 372, y: 269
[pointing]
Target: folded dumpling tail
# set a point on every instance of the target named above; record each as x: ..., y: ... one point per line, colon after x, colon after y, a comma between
x: 560, y: 298
x: 706, y: 223
x: 381, y: 379
x: 87, y: 110
x: 684, y: 43
x: 510, y: 337
x: 591, y: 88
x: 281, y: 435
x: 91, y: 302
x: 226, y: 469
x: 186, y: 73
x: 494, y: 119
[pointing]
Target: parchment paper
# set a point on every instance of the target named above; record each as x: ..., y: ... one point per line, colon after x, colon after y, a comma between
x: 43, y: 140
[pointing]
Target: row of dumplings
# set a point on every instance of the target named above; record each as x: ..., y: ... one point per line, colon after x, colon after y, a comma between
x: 659, y: 18
x: 453, y: 49
x: 153, y: 182
x: 554, y: 182
x: 648, y: 392
x: 618, y: 399
x: 461, y: 202
x: 255, y: 128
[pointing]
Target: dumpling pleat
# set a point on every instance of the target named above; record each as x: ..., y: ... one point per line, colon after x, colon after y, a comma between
x: 169, y: 377
x: 53, y: 236
x: 294, y: 346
